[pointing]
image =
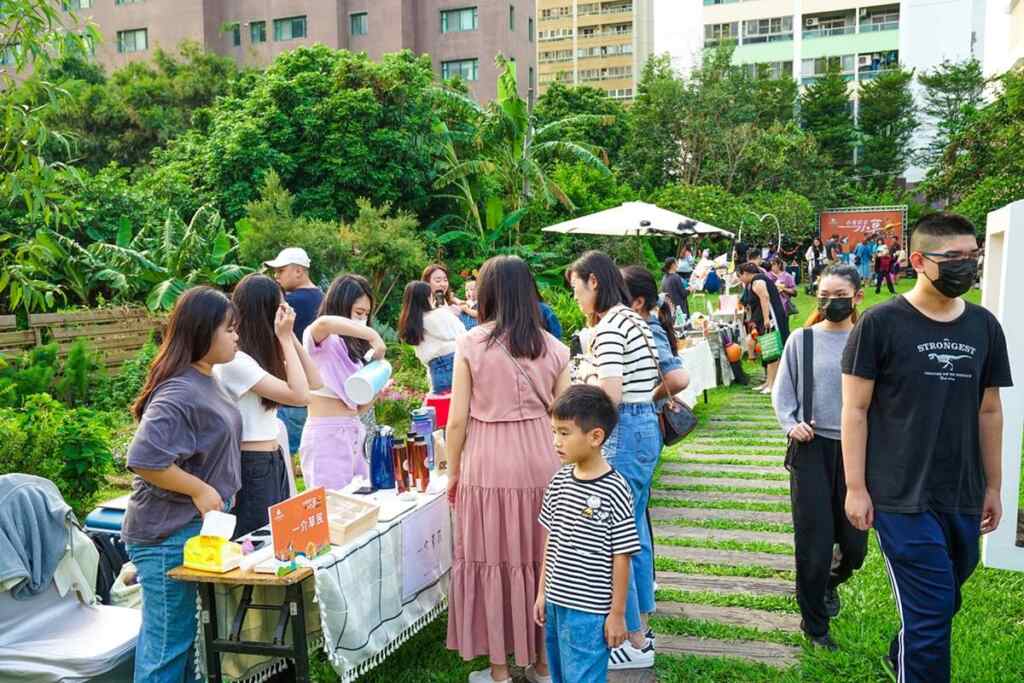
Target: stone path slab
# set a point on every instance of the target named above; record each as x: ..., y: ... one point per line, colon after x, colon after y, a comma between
x: 781, y: 486
x: 738, y: 535
x: 731, y: 558
x: 715, y: 496
x: 671, y: 513
x: 726, y: 585
x: 772, y: 654
x: 716, y: 457
x: 683, y: 468
x: 762, y: 620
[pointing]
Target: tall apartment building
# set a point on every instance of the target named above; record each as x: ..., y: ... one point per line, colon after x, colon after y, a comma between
x: 600, y: 43
x: 461, y: 36
x: 1004, y: 36
x: 863, y: 38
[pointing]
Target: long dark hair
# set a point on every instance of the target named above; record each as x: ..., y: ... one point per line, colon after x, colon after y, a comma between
x: 667, y: 265
x: 848, y: 273
x: 507, y: 296
x: 415, y: 305
x: 430, y: 270
x: 257, y: 298
x: 641, y: 286
x: 194, y: 320
x: 343, y: 293
x: 611, y: 290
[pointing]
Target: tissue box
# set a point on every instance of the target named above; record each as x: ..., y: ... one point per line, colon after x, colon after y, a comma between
x: 349, y: 517
x: 212, y: 554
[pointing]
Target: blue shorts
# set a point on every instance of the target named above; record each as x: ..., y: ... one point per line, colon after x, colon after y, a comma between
x: 441, y: 371
x: 576, y: 647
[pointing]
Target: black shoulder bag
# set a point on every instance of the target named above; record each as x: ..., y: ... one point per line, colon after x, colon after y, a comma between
x: 675, y: 420
x: 807, y: 404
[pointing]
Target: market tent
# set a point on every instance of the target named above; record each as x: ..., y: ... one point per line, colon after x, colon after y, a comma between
x: 637, y: 218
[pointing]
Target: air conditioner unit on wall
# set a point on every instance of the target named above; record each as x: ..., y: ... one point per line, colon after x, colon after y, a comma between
x: 864, y: 60
x: 811, y: 21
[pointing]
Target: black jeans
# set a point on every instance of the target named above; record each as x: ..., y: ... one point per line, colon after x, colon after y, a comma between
x: 817, y: 489
x: 888, y: 278
x: 264, y: 483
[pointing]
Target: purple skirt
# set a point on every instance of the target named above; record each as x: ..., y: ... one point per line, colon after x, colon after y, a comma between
x: 332, y: 451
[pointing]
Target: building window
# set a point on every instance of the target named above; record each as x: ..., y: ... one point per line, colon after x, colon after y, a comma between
x: 258, y: 32
x: 123, y: 2
x: 9, y: 56
x: 76, y: 4
x: 819, y: 66
x: 136, y: 40
x: 358, y: 24
x: 719, y: 33
x: 774, y: 70
x: 511, y: 17
x: 529, y: 28
x: 236, y: 34
x: 770, y: 30
x: 467, y: 69
x: 458, y: 20
x: 531, y: 78
x: 290, y: 28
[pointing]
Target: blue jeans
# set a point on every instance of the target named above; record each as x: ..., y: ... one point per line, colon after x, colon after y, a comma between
x: 163, y: 652
x: 577, y: 650
x: 929, y: 556
x: 294, y: 418
x: 441, y: 371
x: 633, y: 450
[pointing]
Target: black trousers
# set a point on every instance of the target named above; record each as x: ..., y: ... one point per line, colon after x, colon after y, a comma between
x: 888, y: 278
x: 817, y: 490
x: 264, y: 483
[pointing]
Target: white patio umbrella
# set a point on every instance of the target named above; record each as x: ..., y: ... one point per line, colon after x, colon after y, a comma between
x: 637, y: 218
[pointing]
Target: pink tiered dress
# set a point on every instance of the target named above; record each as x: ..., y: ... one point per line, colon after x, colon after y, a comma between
x: 507, y: 462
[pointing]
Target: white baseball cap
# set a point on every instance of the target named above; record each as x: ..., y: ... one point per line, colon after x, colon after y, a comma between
x: 290, y: 256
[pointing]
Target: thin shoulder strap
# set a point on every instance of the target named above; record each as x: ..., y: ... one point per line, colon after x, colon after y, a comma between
x: 533, y: 385
x: 807, y: 370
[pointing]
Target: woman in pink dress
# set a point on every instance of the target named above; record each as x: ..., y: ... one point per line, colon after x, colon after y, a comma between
x: 500, y: 459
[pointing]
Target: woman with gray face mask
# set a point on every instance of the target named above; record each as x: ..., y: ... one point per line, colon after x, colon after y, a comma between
x: 815, y: 459
x: 338, y: 341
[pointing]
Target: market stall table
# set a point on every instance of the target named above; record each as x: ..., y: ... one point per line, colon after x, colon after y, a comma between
x: 366, y: 598
x: 699, y: 363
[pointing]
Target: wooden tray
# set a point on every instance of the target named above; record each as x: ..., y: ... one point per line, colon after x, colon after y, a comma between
x: 349, y: 517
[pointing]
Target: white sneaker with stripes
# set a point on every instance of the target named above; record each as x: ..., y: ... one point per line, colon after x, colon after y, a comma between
x: 628, y: 657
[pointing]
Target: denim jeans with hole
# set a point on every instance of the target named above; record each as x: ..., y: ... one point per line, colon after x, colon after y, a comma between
x: 576, y: 647
x: 633, y: 450
x: 163, y: 651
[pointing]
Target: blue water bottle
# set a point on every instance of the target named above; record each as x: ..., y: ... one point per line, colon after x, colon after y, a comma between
x: 423, y: 424
x: 382, y: 471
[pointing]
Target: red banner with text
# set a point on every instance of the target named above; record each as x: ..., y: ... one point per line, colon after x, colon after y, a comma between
x: 858, y: 225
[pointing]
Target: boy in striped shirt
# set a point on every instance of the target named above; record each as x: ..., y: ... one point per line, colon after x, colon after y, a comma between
x: 588, y: 513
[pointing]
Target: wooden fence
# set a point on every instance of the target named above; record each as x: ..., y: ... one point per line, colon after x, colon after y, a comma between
x: 116, y: 334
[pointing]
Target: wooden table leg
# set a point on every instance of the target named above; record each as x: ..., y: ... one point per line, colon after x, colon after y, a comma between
x: 208, y: 615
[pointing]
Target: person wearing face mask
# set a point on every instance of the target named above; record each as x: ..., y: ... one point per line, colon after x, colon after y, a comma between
x: 922, y: 430
x: 817, y: 485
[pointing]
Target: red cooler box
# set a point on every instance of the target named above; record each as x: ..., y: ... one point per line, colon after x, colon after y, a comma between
x: 440, y: 403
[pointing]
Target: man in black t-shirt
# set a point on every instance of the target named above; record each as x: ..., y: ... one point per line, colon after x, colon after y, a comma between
x: 921, y: 431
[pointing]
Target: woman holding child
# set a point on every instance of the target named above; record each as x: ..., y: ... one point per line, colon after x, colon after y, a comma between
x: 508, y: 371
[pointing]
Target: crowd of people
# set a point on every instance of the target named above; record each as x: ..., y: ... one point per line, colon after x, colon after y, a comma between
x: 550, y: 462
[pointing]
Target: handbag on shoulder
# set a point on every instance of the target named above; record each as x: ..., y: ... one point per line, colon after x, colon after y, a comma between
x: 807, y: 404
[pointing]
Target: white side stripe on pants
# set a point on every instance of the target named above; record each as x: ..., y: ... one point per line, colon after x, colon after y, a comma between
x: 900, y: 666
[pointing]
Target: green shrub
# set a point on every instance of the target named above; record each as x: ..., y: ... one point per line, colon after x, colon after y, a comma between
x: 566, y: 310
x: 123, y: 387
x: 30, y: 373
x: 68, y: 446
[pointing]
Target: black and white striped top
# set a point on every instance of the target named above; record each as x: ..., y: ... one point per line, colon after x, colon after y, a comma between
x: 588, y: 521
x: 624, y: 347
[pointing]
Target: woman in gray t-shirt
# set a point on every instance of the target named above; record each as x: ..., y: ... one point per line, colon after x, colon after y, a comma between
x: 186, y: 460
x: 815, y: 459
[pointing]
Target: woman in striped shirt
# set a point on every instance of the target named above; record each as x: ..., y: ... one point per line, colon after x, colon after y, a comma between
x: 622, y: 352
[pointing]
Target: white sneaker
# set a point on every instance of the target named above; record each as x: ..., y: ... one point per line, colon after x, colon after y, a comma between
x: 485, y: 677
x: 628, y: 657
x: 534, y: 677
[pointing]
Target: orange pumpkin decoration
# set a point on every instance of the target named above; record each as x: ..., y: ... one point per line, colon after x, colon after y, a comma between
x: 733, y: 352
x: 757, y: 349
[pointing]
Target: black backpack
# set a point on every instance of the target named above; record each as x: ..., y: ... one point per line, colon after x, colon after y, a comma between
x: 113, y: 555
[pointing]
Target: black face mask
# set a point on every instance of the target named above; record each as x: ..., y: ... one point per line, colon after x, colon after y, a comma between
x: 955, y: 277
x: 836, y: 310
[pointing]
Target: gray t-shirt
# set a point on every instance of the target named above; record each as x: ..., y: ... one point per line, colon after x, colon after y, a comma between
x: 787, y: 396
x: 189, y: 422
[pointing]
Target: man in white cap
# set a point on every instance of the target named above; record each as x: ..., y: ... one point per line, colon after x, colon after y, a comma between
x: 291, y: 270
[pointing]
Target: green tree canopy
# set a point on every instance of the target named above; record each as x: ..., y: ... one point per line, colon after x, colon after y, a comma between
x: 827, y: 113
x: 562, y: 101
x: 953, y: 91
x: 887, y: 121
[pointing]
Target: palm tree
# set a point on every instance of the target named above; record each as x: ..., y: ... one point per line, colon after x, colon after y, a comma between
x: 508, y: 147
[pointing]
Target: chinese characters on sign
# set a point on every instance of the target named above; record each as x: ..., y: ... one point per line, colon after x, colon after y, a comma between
x: 858, y: 225
x: 299, y: 525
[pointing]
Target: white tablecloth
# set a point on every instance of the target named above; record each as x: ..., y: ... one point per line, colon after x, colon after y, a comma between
x: 699, y: 363
x: 367, y: 597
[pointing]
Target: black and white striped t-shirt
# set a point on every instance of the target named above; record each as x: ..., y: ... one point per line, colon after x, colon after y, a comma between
x: 624, y: 347
x: 588, y: 521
